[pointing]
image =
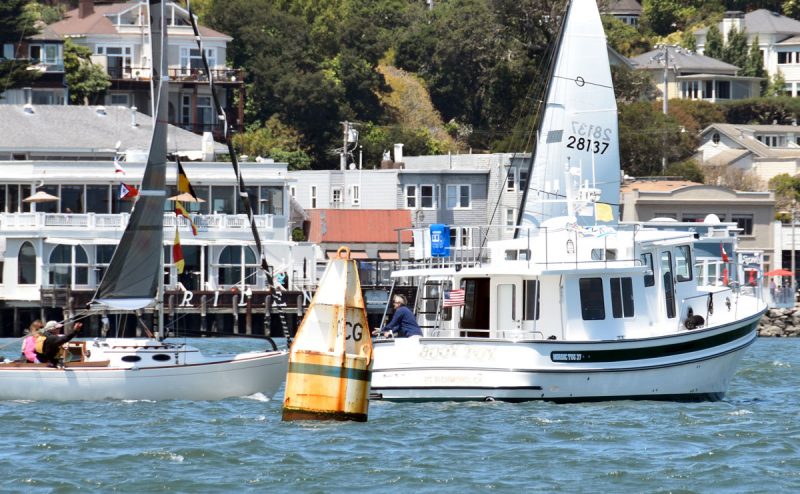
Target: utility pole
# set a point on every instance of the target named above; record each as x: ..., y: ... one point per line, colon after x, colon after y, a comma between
x: 343, y: 156
x: 665, y: 108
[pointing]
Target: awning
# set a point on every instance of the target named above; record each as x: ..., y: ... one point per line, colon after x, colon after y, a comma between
x: 388, y: 255
x: 354, y: 254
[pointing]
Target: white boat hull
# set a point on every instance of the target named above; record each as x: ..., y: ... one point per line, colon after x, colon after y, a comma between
x: 688, y: 366
x: 189, y: 376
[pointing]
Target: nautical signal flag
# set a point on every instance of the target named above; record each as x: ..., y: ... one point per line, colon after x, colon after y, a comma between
x: 602, y: 212
x: 177, y: 253
x: 453, y: 298
x: 127, y: 191
x: 184, y: 186
x: 181, y: 211
x: 117, y: 167
x: 725, y: 257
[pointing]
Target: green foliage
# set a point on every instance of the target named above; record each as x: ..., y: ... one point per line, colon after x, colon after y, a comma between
x: 782, y: 109
x: 735, y: 51
x: 791, y: 8
x: 274, y: 140
x: 625, y: 38
x: 86, y: 81
x: 16, y: 23
x: 298, y: 235
x: 646, y: 135
x: 376, y: 140
x: 787, y: 190
x: 714, y: 43
x: 660, y: 15
x: 777, y: 85
x: 632, y: 85
x: 695, y: 115
x: 688, y: 170
x: 688, y: 40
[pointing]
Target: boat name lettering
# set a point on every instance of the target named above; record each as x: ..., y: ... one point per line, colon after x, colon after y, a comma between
x: 566, y: 357
x: 457, y: 352
x: 356, y: 331
x: 187, y: 299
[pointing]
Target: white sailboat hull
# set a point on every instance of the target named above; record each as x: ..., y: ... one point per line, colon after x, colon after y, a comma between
x: 689, y: 366
x: 186, y: 376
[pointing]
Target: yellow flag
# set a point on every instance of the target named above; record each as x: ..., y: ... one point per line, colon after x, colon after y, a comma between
x: 602, y: 212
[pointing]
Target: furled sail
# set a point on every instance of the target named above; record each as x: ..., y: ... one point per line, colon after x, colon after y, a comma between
x: 577, y: 146
x: 131, y: 281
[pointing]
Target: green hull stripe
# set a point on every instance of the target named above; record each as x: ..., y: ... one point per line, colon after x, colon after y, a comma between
x: 330, y: 371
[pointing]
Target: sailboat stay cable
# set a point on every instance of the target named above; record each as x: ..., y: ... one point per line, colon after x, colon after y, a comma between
x: 229, y: 142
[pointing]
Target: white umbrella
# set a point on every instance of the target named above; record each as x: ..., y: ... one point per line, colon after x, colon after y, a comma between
x: 186, y: 197
x: 41, y: 196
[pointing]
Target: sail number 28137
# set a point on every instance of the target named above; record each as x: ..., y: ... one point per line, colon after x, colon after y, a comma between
x: 589, y: 138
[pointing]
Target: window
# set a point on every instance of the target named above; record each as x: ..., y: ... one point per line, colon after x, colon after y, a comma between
x: 355, y: 195
x: 313, y: 196
x: 336, y: 197
x: 62, y: 262
x: 592, y: 307
x: 715, y: 138
x: 784, y: 57
x: 118, y: 100
x: 621, y: 297
x: 97, y: 199
x: 186, y: 109
x: 72, y: 199
x: 770, y: 140
x: 411, y: 196
x: 293, y: 191
x: 222, y: 199
x: 26, y: 265
x: 205, y: 112
x: 683, y: 263
x: 192, y: 60
x: 723, y: 89
x: 523, y: 178
x: 510, y: 219
x: 102, y: 258
x: 118, y: 59
x: 272, y: 200
x: 460, y: 237
x: 511, y: 179
x: 647, y: 261
x: 745, y: 222
x: 235, y: 260
x: 458, y: 196
x: 427, y: 196
x: 530, y: 295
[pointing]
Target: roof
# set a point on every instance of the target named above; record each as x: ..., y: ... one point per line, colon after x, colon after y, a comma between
x: 99, y: 23
x: 358, y: 225
x: 736, y: 133
x: 76, y: 129
x: 625, y: 7
x: 656, y: 185
x: 727, y: 157
x: 683, y: 60
x: 763, y: 21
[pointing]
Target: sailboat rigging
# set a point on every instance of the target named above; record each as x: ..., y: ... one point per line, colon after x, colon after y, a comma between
x: 145, y: 368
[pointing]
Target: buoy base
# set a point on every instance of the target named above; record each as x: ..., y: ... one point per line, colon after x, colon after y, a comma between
x: 291, y: 414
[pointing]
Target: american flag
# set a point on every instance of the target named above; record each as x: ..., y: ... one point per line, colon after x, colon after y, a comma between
x: 453, y: 298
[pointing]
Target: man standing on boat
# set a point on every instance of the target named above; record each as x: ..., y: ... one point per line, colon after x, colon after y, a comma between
x: 403, y: 323
x: 48, y: 345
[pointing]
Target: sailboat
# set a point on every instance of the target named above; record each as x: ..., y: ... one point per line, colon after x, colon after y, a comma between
x: 576, y: 306
x: 144, y: 368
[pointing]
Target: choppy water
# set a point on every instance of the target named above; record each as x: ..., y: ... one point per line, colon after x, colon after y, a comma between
x: 749, y: 442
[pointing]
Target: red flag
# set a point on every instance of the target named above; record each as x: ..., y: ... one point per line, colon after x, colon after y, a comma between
x: 127, y: 191
x: 177, y: 253
x: 724, y: 254
x: 180, y: 211
x: 117, y: 167
x: 725, y: 275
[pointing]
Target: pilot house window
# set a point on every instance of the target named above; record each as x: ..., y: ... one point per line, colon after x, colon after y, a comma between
x: 621, y: 297
x: 592, y: 308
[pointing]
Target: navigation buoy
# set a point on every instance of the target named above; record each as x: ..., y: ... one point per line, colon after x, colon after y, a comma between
x: 330, y: 363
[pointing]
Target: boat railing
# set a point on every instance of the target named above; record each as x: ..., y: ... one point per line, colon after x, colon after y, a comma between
x: 470, y: 246
x: 512, y: 334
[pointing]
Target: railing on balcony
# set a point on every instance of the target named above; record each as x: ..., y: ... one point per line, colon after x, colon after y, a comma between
x: 95, y: 221
x: 178, y: 74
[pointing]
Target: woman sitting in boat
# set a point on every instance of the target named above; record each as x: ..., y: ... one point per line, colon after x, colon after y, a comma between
x: 48, y: 344
x: 29, y: 343
x: 403, y: 323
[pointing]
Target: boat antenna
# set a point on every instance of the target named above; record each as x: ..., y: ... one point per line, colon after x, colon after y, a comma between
x: 226, y: 128
x: 550, y: 71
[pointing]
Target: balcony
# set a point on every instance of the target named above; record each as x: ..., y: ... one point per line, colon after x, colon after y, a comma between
x: 111, y: 222
x: 176, y: 74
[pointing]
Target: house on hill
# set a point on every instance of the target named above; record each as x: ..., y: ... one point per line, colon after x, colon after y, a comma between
x: 694, y: 76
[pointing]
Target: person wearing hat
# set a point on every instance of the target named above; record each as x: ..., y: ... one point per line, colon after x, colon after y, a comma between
x: 29, y: 343
x: 48, y: 344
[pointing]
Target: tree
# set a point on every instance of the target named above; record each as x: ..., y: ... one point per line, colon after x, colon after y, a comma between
x: 688, y: 170
x: 714, y: 43
x: 787, y: 190
x: 274, y: 140
x: 777, y: 86
x: 16, y: 23
x: 624, y: 38
x: 688, y: 40
x: 632, y: 85
x: 735, y: 51
x: 86, y: 81
x: 661, y: 15
x: 791, y: 8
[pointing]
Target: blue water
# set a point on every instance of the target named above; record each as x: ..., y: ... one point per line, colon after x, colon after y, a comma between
x: 749, y: 442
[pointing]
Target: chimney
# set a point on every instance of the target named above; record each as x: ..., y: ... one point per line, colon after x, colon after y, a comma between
x: 398, y: 153
x: 733, y: 19
x: 85, y: 8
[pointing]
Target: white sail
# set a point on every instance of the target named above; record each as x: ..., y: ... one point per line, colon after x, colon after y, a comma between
x: 578, y: 130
